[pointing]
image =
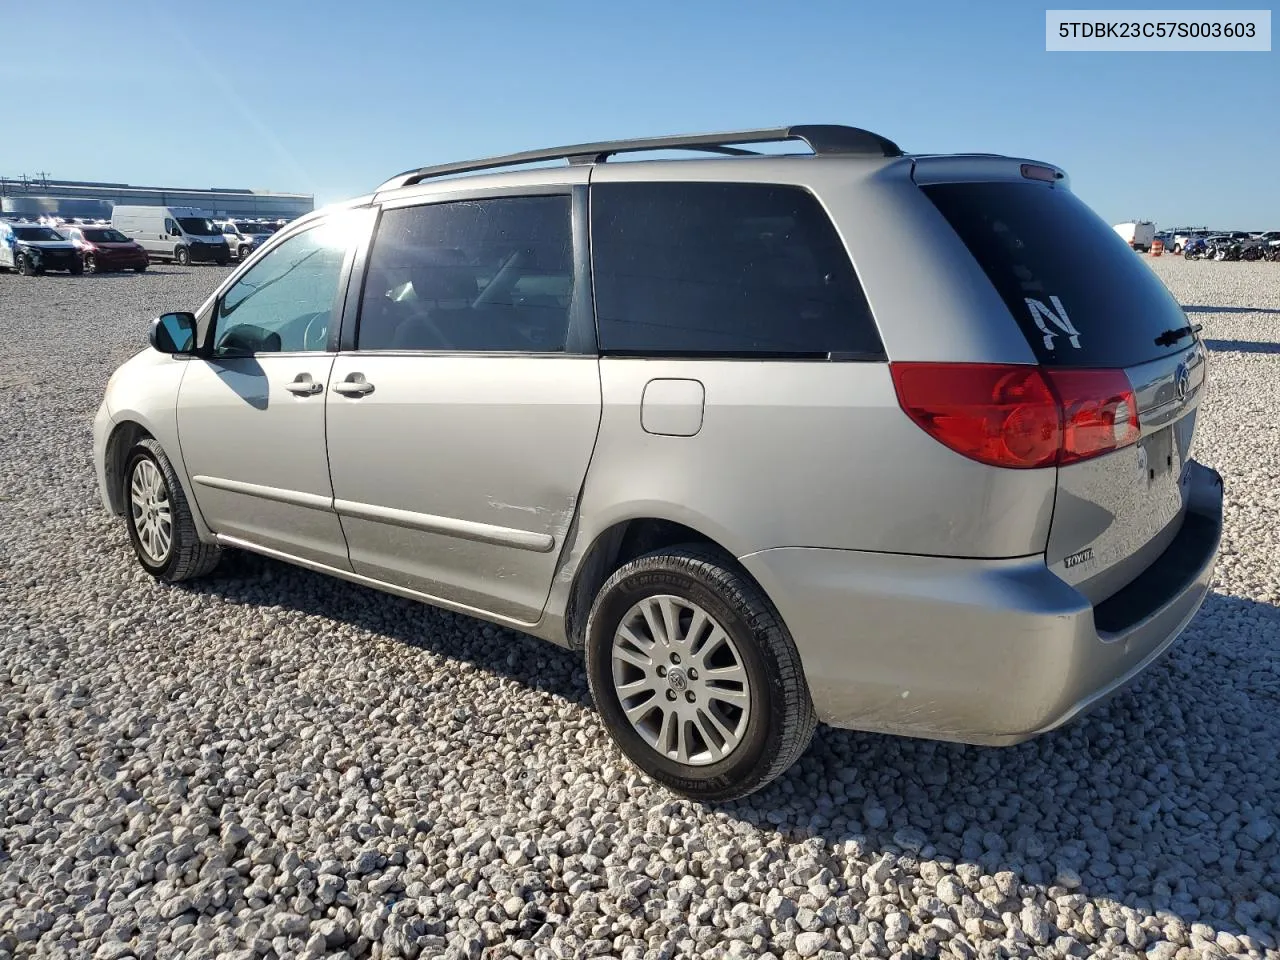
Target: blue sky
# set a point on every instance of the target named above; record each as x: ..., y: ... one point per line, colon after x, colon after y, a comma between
x: 332, y: 98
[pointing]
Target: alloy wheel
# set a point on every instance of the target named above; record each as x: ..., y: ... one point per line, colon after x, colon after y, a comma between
x: 681, y: 680
x: 151, y: 510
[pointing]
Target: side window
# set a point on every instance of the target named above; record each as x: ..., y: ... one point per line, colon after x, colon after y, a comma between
x: 170, y: 226
x: 287, y: 301
x: 724, y: 269
x: 492, y: 275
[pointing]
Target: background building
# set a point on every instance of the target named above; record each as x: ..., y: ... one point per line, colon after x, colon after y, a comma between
x: 34, y: 196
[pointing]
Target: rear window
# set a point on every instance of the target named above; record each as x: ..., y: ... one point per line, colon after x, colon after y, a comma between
x: 724, y: 270
x: 1081, y: 295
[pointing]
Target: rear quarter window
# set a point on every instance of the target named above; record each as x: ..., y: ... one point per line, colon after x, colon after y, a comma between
x: 1081, y: 295
x: 724, y: 270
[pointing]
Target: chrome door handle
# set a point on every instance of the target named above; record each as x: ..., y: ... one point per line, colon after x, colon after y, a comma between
x: 354, y: 386
x: 303, y: 385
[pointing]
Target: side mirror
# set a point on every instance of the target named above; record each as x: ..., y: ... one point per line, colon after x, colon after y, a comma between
x: 174, y: 333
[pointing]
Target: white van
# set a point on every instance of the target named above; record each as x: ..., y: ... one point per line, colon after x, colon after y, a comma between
x: 1138, y: 234
x: 182, y: 234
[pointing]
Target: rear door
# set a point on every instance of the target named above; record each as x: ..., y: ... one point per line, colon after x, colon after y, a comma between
x: 1083, y: 300
x: 462, y: 415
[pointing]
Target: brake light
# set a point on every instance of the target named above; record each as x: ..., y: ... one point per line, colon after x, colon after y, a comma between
x: 1019, y: 416
x: 1037, y: 171
x: 1099, y: 412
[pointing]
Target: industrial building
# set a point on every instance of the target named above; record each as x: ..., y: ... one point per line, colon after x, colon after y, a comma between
x: 37, y: 196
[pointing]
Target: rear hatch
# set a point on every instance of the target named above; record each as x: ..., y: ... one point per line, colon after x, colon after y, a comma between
x: 1085, y: 301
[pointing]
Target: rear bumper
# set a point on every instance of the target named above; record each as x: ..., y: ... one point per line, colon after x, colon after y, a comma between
x: 980, y: 651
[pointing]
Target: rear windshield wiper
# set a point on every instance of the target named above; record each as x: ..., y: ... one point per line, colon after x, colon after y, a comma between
x: 1170, y: 337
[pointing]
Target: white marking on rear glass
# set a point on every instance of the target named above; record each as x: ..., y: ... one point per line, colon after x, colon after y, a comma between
x: 1043, y: 316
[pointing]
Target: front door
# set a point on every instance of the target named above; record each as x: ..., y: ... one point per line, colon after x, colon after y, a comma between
x: 461, y: 427
x: 251, y: 411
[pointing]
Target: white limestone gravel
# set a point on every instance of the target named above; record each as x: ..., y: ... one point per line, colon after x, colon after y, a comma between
x: 273, y: 764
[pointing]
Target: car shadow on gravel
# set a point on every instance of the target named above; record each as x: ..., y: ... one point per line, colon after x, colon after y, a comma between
x: 1118, y: 805
x: 1243, y: 346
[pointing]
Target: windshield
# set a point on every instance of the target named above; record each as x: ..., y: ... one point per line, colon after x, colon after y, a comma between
x: 37, y: 233
x: 199, y: 226
x: 105, y: 236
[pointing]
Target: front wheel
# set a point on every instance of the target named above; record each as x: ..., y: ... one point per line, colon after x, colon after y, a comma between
x: 161, y: 527
x: 182, y: 256
x: 25, y: 266
x: 695, y: 675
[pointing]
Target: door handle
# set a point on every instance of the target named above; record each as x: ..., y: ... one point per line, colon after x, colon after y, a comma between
x: 303, y: 385
x: 354, y: 386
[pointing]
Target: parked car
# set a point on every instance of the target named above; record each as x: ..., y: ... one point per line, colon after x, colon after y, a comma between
x: 181, y: 234
x: 652, y: 412
x: 106, y: 248
x: 243, y: 236
x: 1180, y: 237
x: 32, y: 248
x: 1138, y: 234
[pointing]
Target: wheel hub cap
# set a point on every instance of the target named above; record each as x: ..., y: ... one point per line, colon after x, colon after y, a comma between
x: 681, y: 680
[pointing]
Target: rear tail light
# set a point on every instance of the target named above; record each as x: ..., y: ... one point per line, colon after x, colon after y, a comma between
x: 1019, y: 416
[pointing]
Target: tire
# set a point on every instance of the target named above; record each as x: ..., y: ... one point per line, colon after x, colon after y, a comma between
x: 76, y: 269
x: 186, y: 556
x: 182, y: 256
x: 25, y: 267
x: 243, y: 253
x: 223, y: 261
x: 90, y: 263
x: 141, y: 269
x: 779, y: 718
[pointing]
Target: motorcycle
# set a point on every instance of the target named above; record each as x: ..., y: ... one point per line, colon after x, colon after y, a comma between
x: 1229, y: 251
x: 1195, y: 249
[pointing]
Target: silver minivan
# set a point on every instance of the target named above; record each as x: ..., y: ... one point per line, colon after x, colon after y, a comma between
x: 899, y: 442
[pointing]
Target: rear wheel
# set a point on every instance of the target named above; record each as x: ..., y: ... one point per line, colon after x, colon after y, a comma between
x: 161, y: 527
x: 76, y: 268
x: 243, y: 252
x: 90, y: 263
x: 141, y: 269
x: 695, y: 675
x: 182, y: 256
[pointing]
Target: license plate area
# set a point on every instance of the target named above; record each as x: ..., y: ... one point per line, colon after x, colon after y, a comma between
x: 1159, y: 454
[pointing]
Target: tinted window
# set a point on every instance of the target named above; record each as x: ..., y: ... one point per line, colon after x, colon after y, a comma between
x: 723, y: 269
x: 288, y: 299
x: 36, y: 234
x: 474, y: 275
x: 1080, y: 294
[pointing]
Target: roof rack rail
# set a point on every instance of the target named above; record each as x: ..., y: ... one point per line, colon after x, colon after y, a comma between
x: 822, y: 139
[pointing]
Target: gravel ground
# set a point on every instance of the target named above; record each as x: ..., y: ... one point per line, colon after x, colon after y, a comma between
x: 271, y: 763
